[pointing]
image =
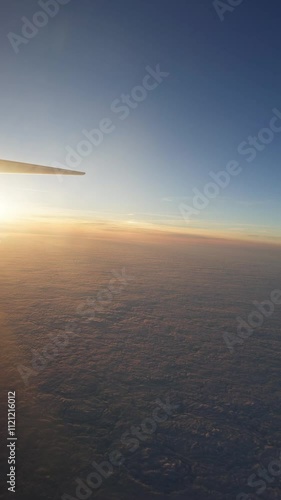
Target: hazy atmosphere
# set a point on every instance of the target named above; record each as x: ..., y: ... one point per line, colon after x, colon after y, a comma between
x: 140, y: 303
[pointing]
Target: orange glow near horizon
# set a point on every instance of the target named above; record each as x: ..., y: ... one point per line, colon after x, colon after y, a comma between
x: 14, y: 221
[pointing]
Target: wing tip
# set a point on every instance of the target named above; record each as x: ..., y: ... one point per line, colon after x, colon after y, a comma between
x: 67, y: 172
x: 14, y: 167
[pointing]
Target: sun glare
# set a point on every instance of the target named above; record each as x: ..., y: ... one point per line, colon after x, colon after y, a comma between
x: 9, y: 209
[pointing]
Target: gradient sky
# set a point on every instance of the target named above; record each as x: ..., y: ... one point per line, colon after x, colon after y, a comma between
x: 224, y: 81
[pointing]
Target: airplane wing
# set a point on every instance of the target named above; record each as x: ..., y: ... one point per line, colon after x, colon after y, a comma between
x: 14, y: 167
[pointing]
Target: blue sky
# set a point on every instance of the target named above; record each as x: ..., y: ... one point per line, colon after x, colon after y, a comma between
x: 224, y: 80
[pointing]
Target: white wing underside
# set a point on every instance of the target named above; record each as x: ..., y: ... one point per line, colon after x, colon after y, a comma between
x: 14, y: 167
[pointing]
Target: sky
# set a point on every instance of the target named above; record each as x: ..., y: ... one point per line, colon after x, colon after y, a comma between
x: 222, y: 81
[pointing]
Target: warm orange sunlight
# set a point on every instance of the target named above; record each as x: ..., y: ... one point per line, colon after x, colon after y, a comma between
x: 140, y: 250
x: 10, y: 209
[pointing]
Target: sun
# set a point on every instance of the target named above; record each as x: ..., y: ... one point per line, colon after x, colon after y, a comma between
x: 9, y: 209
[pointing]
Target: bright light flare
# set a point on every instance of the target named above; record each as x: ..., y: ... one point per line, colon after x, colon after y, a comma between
x: 10, y: 210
